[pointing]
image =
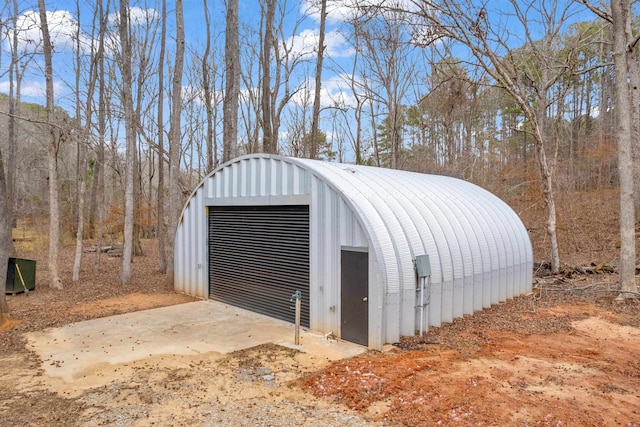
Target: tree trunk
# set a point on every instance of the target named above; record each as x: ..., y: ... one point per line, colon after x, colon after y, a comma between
x: 54, y: 213
x: 268, y: 141
x: 174, y: 142
x: 313, y: 152
x: 127, y: 101
x: 82, y: 157
x: 624, y: 96
x: 549, y: 199
x: 98, y: 195
x: 14, y: 101
x: 162, y: 255
x: 634, y: 92
x: 538, y: 119
x: 81, y: 202
x: 136, y: 245
x: 212, y: 155
x: 6, y: 243
x: 232, y: 92
x: 358, y: 110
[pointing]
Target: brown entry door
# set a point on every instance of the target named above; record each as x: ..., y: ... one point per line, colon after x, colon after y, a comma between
x: 354, y: 296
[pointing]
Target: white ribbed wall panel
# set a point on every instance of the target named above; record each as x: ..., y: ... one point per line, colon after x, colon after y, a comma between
x: 479, y: 250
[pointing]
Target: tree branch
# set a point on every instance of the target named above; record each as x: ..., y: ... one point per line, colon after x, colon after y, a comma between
x: 604, y: 14
x: 633, y: 44
x: 30, y: 120
x: 590, y: 69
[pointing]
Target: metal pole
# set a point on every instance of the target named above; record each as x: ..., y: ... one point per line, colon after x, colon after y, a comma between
x: 297, y: 342
x: 422, y: 280
x: 298, y: 297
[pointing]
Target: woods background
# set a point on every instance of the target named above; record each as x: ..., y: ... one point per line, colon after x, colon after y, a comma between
x: 523, y: 101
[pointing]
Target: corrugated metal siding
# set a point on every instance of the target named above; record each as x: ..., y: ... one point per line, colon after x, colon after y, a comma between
x: 480, y: 252
x: 189, y: 254
x: 479, y: 249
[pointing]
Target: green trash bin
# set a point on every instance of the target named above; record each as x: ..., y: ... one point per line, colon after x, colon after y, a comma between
x: 21, y: 275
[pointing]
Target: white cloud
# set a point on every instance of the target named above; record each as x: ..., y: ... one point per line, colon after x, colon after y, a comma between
x: 335, y: 92
x: 341, y: 11
x: 337, y: 45
x: 305, y: 44
x: 137, y: 16
x: 33, y: 88
x: 62, y: 30
x: 195, y: 94
x: 337, y: 10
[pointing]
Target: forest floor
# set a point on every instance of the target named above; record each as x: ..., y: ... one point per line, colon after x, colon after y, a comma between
x: 566, y: 354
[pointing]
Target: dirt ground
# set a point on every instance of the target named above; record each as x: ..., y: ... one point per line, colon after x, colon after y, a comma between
x: 521, y: 363
x: 564, y: 355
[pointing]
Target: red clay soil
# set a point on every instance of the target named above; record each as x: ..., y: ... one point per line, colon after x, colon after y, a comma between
x: 525, y: 362
x: 566, y: 355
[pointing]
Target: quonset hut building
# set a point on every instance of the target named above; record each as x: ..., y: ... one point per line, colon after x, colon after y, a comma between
x: 261, y: 227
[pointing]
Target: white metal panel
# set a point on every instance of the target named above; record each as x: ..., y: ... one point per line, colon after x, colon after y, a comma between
x: 389, y: 202
x: 382, y: 258
x: 490, y: 234
x: 188, y: 260
x: 462, y: 237
x: 448, y: 249
x: 485, y: 212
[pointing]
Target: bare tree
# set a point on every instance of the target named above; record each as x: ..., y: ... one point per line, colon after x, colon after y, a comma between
x: 127, y: 101
x: 162, y: 255
x: 529, y: 78
x: 359, y: 107
x: 212, y: 150
x: 6, y: 243
x: 316, y: 100
x: 385, y: 47
x: 81, y: 151
x: 54, y: 213
x: 627, y: 91
x: 250, y: 99
x: 269, y: 46
x: 6, y: 239
x: 283, y: 61
x: 14, y: 103
x: 232, y: 73
x: 271, y: 90
x: 85, y: 134
x: 626, y: 94
x: 143, y: 40
x: 99, y: 171
x: 175, y: 140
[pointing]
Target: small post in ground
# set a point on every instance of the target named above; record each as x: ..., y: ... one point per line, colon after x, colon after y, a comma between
x: 298, y: 298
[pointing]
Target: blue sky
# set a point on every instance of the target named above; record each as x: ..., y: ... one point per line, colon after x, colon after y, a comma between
x: 300, y: 29
x: 301, y: 33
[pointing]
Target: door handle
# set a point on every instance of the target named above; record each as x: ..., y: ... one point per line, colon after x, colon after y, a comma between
x: 365, y: 299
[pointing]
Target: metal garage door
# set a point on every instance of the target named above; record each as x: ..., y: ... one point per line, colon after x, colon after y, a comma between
x: 259, y: 257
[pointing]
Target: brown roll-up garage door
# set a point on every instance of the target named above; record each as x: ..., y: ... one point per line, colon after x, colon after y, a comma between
x: 259, y: 257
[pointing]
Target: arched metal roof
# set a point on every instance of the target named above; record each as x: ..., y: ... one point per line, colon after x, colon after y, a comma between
x: 466, y: 230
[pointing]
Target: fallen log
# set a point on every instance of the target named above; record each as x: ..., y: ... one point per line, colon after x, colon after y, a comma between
x: 595, y: 269
x: 94, y: 248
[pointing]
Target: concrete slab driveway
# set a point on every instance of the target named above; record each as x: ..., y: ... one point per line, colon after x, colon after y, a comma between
x: 185, y: 329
